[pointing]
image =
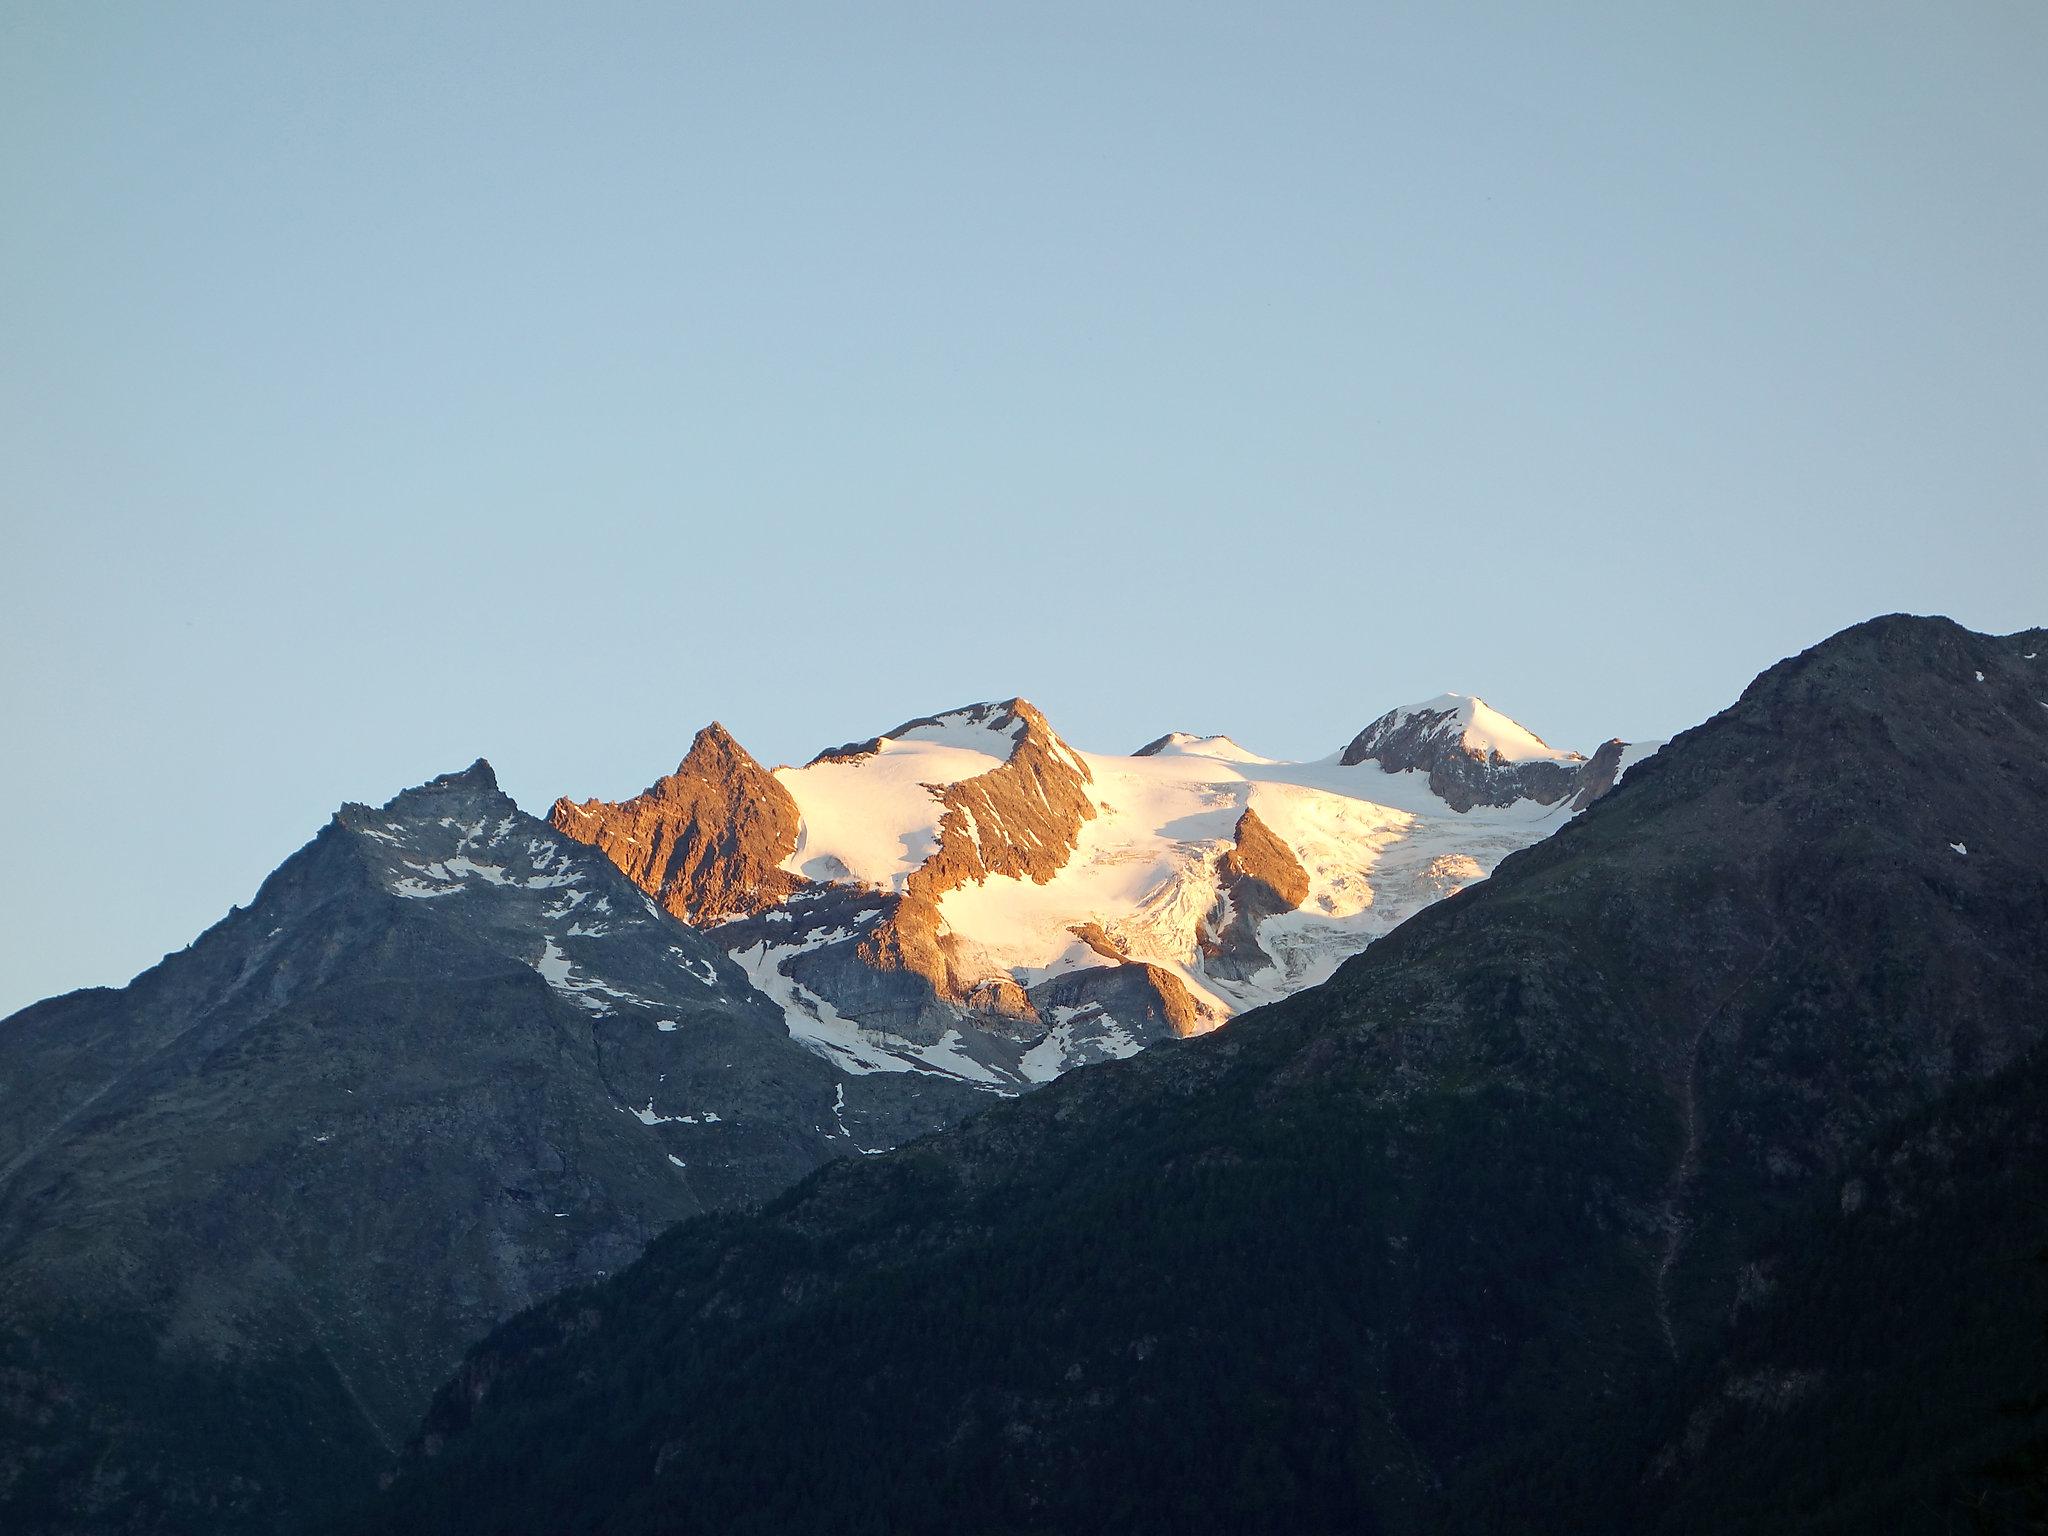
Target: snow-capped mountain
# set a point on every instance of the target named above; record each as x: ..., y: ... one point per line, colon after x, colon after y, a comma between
x: 970, y: 895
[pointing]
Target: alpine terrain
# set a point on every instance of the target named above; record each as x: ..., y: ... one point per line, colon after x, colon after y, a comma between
x: 970, y: 895
x: 1686, y: 1175
x: 453, y: 1059
x: 254, y: 1204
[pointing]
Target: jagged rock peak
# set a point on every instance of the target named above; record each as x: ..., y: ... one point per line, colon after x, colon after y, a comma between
x: 475, y: 785
x: 706, y: 841
x: 478, y: 775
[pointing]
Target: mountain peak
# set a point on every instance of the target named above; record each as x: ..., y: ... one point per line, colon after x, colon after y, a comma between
x: 478, y: 775
x: 1185, y: 744
x: 998, y: 717
x: 1457, y: 722
x: 715, y: 749
x: 706, y: 841
x: 472, y: 789
x: 1473, y: 754
x: 995, y: 726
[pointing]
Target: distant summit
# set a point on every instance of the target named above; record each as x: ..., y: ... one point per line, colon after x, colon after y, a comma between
x: 1472, y: 753
x: 1181, y: 744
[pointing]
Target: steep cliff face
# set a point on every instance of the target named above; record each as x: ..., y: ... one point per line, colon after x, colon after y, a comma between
x: 708, y: 841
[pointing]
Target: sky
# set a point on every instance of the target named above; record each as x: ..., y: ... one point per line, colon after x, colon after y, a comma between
x: 386, y: 386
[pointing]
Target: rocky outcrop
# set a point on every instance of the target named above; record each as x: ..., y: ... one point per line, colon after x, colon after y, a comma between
x: 1261, y: 871
x: 1258, y: 878
x: 707, y: 841
x: 1599, y: 774
x: 1098, y: 939
x: 1146, y: 999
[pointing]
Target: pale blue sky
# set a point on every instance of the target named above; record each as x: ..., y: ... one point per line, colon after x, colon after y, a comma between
x: 385, y: 385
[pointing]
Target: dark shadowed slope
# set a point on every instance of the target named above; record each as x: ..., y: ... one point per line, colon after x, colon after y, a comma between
x: 1482, y: 1234
x: 254, y: 1205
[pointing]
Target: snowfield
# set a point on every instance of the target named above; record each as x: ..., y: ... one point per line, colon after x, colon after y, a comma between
x: 1146, y: 877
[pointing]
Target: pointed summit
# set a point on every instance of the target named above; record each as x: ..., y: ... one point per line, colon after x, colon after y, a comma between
x: 1450, y: 722
x: 706, y: 841
x: 1473, y: 754
x: 478, y: 775
x: 467, y: 794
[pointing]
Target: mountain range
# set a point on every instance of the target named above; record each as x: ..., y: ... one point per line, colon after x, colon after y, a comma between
x: 1437, y: 1200
x: 1685, y: 1175
x: 453, y: 1059
x: 969, y: 894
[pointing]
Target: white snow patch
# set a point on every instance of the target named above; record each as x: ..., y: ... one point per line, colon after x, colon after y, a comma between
x: 588, y: 992
x: 876, y: 819
x: 839, y: 1110
x: 1377, y: 847
x: 846, y: 1043
x: 701, y: 970
x: 1066, y: 1046
x: 1634, y: 753
x: 419, y: 890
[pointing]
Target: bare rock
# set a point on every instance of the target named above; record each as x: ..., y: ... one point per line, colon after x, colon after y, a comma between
x: 707, y: 841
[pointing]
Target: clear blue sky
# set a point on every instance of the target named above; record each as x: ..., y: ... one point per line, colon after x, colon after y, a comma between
x: 382, y: 386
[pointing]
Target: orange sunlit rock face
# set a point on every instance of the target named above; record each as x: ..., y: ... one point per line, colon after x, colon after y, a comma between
x: 706, y: 841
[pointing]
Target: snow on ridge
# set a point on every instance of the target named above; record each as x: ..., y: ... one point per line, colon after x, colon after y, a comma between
x: 971, y: 728
x: 874, y: 819
x: 1182, y: 744
x: 1484, y: 730
x: 1377, y: 847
